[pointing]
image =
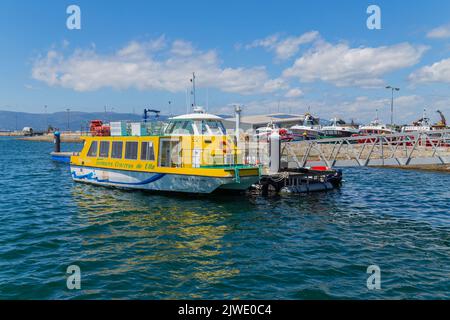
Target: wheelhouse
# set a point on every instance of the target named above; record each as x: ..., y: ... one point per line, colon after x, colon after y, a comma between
x: 196, y: 124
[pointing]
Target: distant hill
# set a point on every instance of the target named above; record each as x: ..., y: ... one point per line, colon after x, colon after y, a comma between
x: 10, y: 120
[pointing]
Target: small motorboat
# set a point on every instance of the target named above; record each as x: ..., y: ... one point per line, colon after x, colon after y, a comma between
x: 375, y: 127
x: 310, y: 129
x: 421, y: 125
x: 265, y: 132
x: 339, y: 129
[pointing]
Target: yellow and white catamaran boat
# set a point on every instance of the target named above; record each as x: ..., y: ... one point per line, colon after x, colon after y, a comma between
x: 191, y: 154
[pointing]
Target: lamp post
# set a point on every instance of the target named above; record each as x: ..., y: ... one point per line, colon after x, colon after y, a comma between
x: 392, y: 102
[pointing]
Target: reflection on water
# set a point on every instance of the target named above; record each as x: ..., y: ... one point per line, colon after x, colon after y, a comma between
x: 190, y: 234
x: 140, y: 245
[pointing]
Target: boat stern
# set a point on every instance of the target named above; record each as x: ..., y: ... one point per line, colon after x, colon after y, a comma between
x: 243, y: 178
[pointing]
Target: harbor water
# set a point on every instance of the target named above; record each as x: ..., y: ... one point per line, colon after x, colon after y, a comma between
x: 136, y: 245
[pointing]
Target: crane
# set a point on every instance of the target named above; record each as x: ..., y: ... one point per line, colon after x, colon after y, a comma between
x: 443, y: 122
x: 147, y: 111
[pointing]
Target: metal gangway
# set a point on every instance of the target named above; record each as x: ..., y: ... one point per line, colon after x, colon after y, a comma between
x: 399, y: 149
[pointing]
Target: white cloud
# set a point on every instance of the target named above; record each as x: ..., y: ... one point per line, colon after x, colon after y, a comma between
x: 408, y: 101
x: 182, y: 48
x: 344, y: 66
x: 284, y: 48
x: 294, y: 93
x: 288, y: 47
x: 140, y: 65
x: 363, y: 108
x: 268, y: 42
x: 275, y: 85
x: 437, y: 72
x: 441, y: 32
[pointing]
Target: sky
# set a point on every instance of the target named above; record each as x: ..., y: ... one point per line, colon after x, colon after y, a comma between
x: 269, y: 56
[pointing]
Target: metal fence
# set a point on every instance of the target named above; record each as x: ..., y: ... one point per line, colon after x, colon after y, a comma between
x: 411, y: 148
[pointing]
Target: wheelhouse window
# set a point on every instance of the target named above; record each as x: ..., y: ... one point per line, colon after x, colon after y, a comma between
x: 215, y: 127
x: 117, y: 150
x: 92, y: 152
x: 212, y: 127
x: 131, y: 150
x: 147, y: 151
x: 104, y: 149
x: 180, y: 127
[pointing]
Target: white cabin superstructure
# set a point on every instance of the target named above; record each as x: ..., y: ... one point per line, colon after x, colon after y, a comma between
x: 375, y: 127
x: 309, y: 129
x: 197, y: 123
x: 421, y: 125
x: 338, y: 129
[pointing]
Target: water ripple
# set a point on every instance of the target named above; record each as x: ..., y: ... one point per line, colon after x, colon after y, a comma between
x: 145, y: 246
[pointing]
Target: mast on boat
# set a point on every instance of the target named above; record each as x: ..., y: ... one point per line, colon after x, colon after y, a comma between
x: 193, y: 89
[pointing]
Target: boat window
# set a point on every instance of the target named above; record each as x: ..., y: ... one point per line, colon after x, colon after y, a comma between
x: 104, y: 149
x: 180, y: 127
x: 93, y: 149
x: 169, y: 127
x: 117, y: 149
x: 214, y: 127
x: 131, y: 149
x: 188, y: 126
x: 147, y: 152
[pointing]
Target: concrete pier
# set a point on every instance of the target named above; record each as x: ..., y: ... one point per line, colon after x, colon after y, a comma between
x: 65, y: 137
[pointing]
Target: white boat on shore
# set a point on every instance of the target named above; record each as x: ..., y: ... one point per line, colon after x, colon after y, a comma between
x: 375, y: 127
x: 421, y: 125
x: 339, y: 129
x: 310, y: 129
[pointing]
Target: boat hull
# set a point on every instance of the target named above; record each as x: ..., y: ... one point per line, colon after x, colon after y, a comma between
x: 305, y: 134
x: 153, y: 181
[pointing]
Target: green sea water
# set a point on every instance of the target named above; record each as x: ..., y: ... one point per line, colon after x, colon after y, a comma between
x: 135, y: 245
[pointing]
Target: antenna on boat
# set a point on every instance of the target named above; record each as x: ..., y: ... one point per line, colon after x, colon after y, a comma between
x: 193, y: 88
x: 187, y: 101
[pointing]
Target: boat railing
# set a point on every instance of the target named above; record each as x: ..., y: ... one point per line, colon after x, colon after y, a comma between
x: 215, y: 157
x: 124, y: 128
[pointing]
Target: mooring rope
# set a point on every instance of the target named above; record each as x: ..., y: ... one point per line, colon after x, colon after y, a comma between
x: 279, y: 177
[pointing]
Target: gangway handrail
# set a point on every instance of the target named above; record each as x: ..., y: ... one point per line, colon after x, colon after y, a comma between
x: 405, y: 148
x: 375, y: 136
